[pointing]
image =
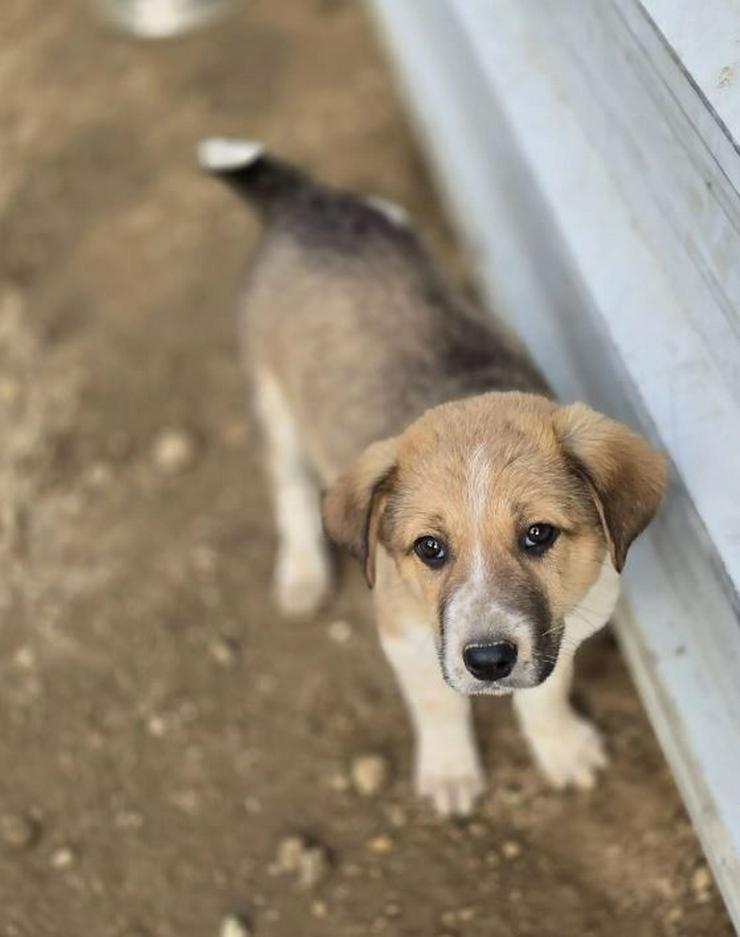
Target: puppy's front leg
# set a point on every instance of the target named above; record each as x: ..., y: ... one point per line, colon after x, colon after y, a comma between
x: 567, y: 748
x: 447, y: 764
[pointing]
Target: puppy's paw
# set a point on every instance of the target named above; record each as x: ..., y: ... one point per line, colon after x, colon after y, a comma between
x: 452, y: 788
x: 452, y: 796
x: 571, y: 754
x: 302, y: 581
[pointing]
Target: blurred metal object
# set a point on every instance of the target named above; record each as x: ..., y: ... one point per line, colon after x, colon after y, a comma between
x: 161, y: 19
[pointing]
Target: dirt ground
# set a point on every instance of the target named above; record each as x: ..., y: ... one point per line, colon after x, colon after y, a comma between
x: 161, y: 728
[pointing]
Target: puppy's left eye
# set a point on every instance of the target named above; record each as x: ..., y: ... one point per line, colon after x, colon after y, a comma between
x: 539, y: 537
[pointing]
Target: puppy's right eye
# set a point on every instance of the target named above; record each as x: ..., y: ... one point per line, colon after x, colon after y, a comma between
x: 432, y: 551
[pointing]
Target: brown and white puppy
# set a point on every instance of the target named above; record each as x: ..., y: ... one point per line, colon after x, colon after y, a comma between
x: 491, y: 522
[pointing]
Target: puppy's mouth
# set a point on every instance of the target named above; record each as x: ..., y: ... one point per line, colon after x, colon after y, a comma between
x: 476, y: 688
x: 471, y: 686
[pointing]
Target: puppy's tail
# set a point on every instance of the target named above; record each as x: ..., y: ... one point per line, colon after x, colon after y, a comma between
x: 244, y: 165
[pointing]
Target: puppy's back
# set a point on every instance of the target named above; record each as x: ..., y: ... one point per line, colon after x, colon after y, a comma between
x: 345, y: 308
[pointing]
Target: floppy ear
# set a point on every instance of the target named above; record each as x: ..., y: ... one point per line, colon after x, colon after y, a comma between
x: 353, y: 505
x: 625, y: 475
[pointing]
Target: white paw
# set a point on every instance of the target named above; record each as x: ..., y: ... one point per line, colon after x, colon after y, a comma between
x: 570, y: 754
x: 302, y: 581
x: 453, y: 789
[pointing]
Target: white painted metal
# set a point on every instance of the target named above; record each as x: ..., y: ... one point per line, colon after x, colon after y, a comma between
x: 652, y: 146
x: 591, y: 184
x: 705, y: 38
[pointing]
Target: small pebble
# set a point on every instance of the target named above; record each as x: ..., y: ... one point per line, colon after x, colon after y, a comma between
x: 186, y: 799
x: 309, y: 862
x: 9, y: 390
x: 458, y: 917
x: 174, y: 451
x: 223, y: 652
x: 338, y: 781
x: 665, y: 887
x: 99, y: 475
x: 204, y: 558
x: 266, y: 684
x: 380, y: 844
x: 369, y: 774
x: 234, y: 925
x: 128, y: 820
x: 701, y: 884
x: 63, y: 858
x: 289, y: 853
x: 313, y: 868
x: 18, y: 831
x: 340, y: 631
x: 319, y: 909
x: 24, y: 658
x: 396, y: 815
x: 674, y: 915
x: 157, y: 726
x: 95, y: 740
x: 511, y: 849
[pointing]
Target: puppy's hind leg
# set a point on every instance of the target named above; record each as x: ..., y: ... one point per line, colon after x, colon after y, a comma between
x: 303, y: 575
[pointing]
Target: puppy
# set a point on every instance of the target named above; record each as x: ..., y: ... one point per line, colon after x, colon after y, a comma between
x: 491, y: 522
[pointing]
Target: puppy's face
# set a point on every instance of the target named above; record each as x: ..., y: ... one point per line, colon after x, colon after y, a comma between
x: 498, y: 512
x: 500, y: 543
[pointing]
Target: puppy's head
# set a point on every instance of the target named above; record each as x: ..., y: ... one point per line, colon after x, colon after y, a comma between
x: 499, y: 513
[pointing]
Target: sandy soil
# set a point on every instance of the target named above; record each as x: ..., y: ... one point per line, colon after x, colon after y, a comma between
x: 161, y: 728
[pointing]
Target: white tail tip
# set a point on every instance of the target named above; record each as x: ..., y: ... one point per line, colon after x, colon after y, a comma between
x: 220, y: 154
x: 394, y: 212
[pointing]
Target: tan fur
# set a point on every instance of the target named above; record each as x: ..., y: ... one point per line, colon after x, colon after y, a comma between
x: 626, y: 475
x: 353, y: 506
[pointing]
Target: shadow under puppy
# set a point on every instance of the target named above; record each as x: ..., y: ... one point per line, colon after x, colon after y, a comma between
x: 492, y: 523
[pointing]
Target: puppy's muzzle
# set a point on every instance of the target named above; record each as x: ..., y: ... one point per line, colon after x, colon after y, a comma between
x: 490, y: 662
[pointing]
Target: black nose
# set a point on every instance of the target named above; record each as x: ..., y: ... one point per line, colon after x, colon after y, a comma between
x: 490, y: 661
